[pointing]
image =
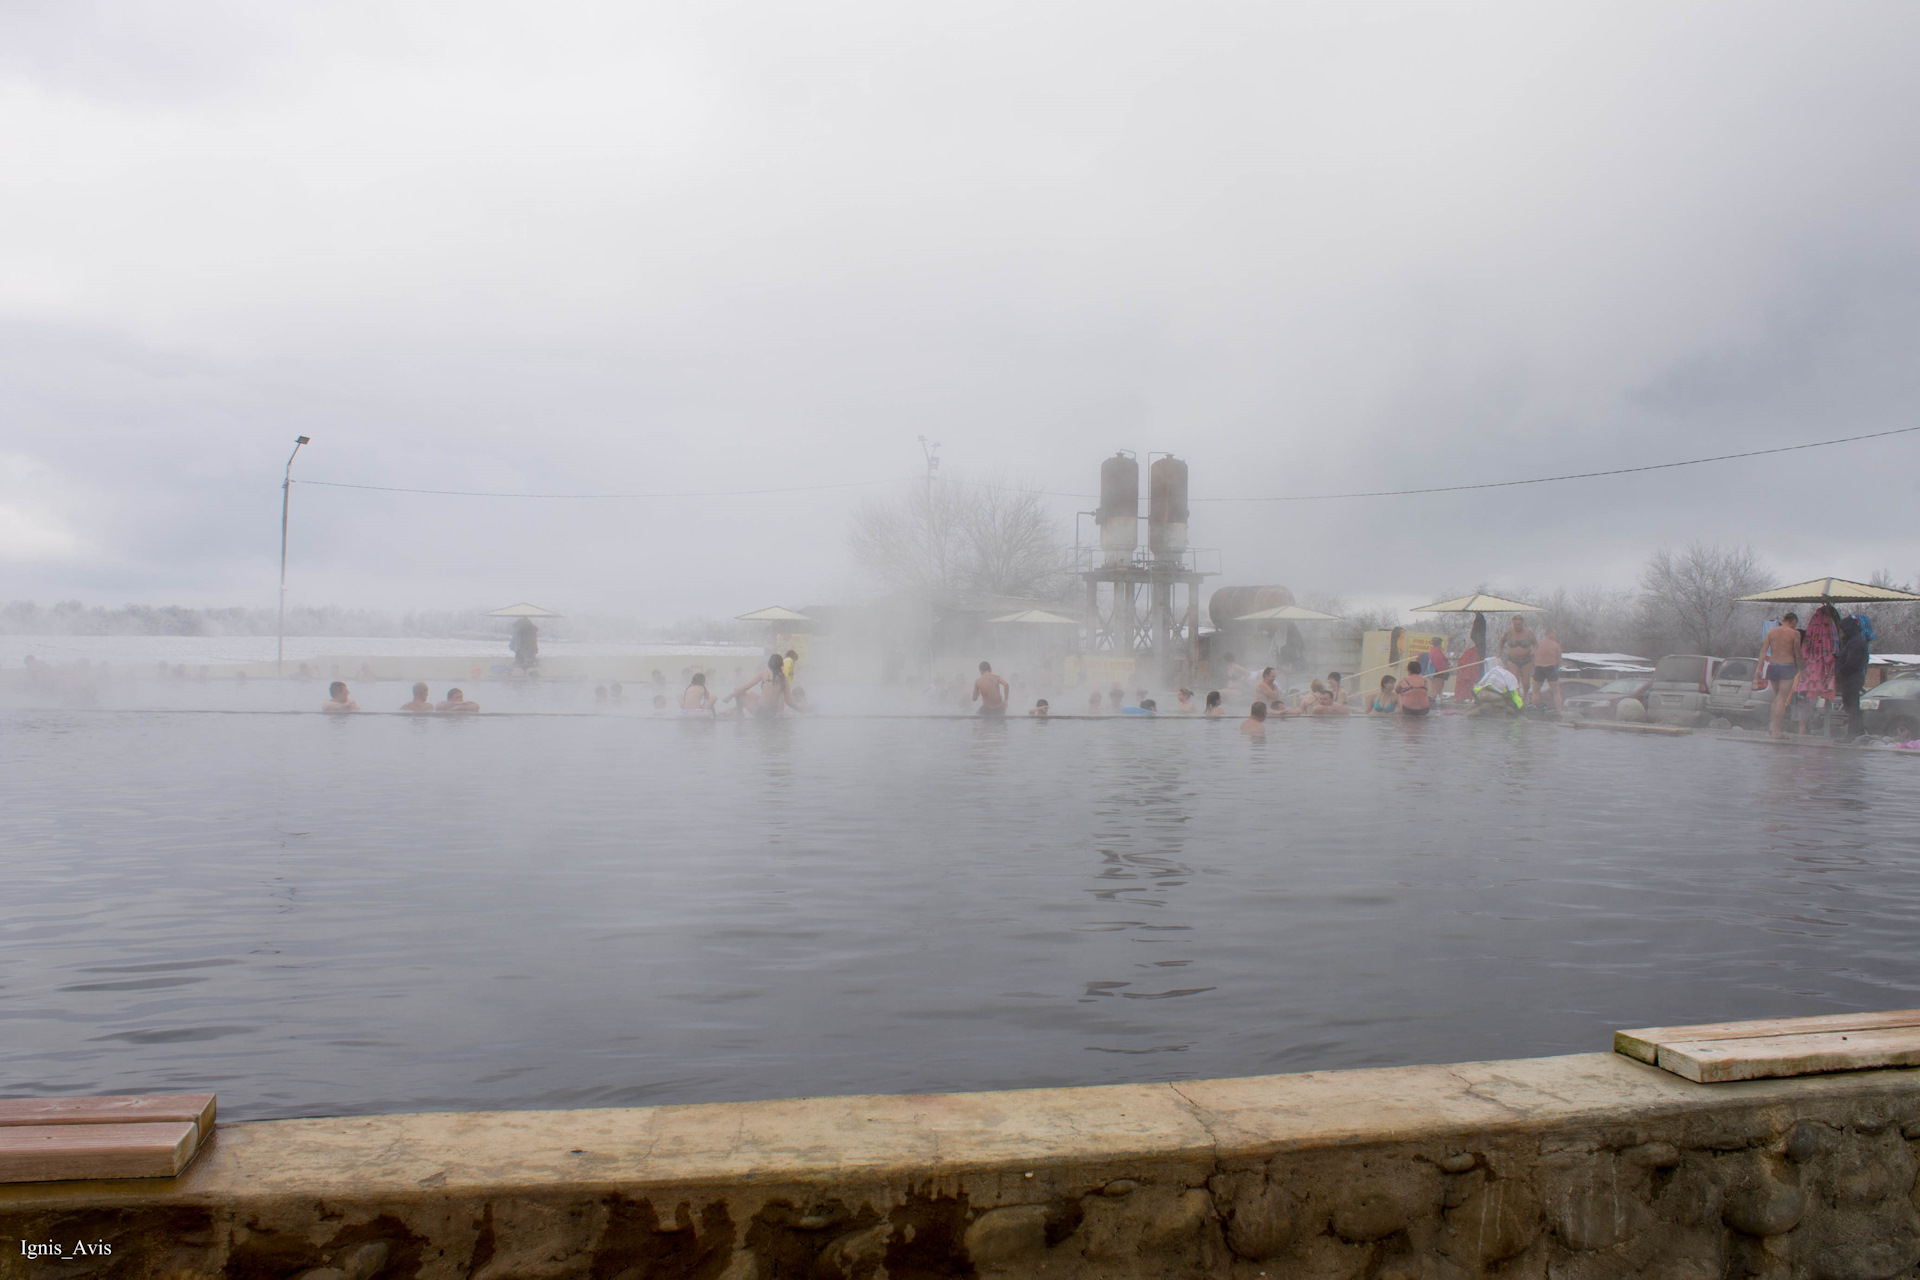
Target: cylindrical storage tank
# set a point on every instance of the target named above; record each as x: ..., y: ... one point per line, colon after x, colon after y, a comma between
x: 1227, y: 605
x: 1167, y: 508
x: 1119, y: 507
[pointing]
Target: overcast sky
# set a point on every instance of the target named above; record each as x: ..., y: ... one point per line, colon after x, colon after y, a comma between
x: 689, y: 248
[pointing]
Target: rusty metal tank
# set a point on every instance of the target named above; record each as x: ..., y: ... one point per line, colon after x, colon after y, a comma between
x: 1229, y: 604
x: 1167, y: 508
x: 1119, y: 514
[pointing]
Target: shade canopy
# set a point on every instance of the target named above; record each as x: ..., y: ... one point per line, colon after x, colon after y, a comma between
x: 774, y: 614
x: 1480, y: 604
x: 1832, y: 591
x: 1037, y: 617
x: 1289, y: 613
x: 522, y: 611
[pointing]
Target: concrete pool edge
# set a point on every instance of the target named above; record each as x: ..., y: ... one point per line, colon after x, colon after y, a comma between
x: 1591, y: 1160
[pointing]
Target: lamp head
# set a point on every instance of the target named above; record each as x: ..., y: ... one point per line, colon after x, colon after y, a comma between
x: 302, y: 440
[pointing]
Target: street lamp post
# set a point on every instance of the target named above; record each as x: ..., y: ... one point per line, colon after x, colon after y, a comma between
x: 286, y: 492
x: 936, y: 550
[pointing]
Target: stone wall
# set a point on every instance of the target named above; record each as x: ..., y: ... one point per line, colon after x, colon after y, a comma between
x: 1587, y: 1166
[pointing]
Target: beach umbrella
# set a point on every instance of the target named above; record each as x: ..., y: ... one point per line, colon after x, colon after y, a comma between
x: 1480, y: 603
x: 1037, y: 617
x: 1832, y: 591
x: 774, y: 614
x: 522, y: 611
x: 1289, y: 613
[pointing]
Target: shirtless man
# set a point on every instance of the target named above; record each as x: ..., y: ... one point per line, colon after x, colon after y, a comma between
x: 1255, y: 725
x: 990, y: 691
x: 1546, y: 666
x: 457, y: 704
x: 1516, y: 650
x: 421, y: 702
x: 1267, y: 690
x: 338, y: 699
x: 1780, y: 664
x: 696, y: 699
x: 1319, y: 702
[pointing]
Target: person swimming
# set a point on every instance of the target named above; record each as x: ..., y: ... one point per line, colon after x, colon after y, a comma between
x: 457, y: 704
x: 1266, y: 690
x: 1213, y: 704
x: 1040, y: 709
x: 338, y: 699
x: 422, y: 700
x: 1183, y: 702
x: 1094, y: 703
x: 1255, y: 725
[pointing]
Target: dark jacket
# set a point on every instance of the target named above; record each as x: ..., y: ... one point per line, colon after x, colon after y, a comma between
x: 1850, y: 659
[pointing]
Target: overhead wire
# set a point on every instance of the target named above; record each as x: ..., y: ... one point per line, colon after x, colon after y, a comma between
x: 1055, y: 493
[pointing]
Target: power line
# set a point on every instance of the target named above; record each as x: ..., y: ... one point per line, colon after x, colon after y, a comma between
x: 1576, y: 475
x: 1055, y: 493
x: 1509, y: 484
x: 486, y: 493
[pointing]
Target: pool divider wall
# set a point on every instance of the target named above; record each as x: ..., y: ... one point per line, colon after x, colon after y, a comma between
x: 1586, y: 1166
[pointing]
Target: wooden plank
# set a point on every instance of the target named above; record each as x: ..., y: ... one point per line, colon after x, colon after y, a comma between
x: 136, y: 1108
x: 1628, y: 726
x: 1766, y: 1057
x: 1643, y: 1042
x: 60, y: 1152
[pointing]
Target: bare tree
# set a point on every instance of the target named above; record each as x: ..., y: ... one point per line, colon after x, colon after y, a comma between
x: 1694, y: 593
x: 958, y: 537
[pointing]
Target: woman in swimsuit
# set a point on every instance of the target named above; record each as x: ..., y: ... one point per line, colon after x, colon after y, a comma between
x: 767, y: 693
x: 1385, y: 702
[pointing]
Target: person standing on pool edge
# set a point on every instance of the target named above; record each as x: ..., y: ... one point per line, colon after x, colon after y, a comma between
x: 1780, y: 667
x: 990, y: 691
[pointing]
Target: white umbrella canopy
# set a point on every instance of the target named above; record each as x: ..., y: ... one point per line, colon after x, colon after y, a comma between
x: 1037, y: 617
x: 1480, y: 603
x: 1289, y: 613
x: 1832, y: 591
x: 775, y: 613
x: 522, y: 611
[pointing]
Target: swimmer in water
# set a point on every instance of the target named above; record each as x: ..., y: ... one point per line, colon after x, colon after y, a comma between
x: 1387, y: 701
x: 338, y: 699
x: 1266, y: 690
x: 990, y: 691
x: 421, y: 700
x: 1320, y: 702
x: 457, y: 704
x: 1213, y: 704
x: 1093, y: 703
x: 1183, y: 702
x: 1255, y: 725
x: 1040, y: 709
x: 696, y: 700
x: 1117, y: 696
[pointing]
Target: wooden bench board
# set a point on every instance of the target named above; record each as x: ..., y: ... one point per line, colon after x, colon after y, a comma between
x: 1643, y: 1042
x: 139, y: 1108
x: 62, y: 1152
x: 1811, y: 1053
x: 1776, y: 1047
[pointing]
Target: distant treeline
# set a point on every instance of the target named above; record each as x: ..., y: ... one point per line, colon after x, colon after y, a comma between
x: 71, y: 618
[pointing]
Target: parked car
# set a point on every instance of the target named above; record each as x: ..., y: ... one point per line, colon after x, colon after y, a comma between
x: 1892, y: 708
x: 1604, y: 701
x: 1681, y: 684
x: 1734, y: 697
